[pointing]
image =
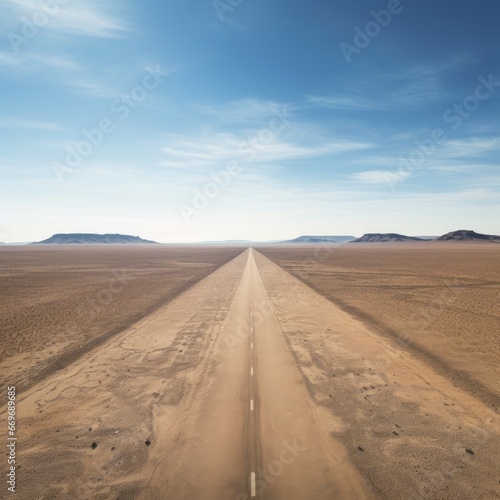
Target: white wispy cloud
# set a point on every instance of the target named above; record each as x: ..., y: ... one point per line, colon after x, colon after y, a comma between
x: 487, y: 181
x: 457, y: 168
x: 408, y: 86
x: 454, y: 157
x: 91, y: 88
x: 8, y: 59
x: 111, y: 83
x: 389, y: 177
x: 76, y: 17
x: 474, y: 146
x: 413, y: 87
x: 34, y: 61
x: 413, y: 84
x: 245, y: 110
x: 57, y: 62
x: 342, y: 102
x: 207, y: 150
x: 27, y: 124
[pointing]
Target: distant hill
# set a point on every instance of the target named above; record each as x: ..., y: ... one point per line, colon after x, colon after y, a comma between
x: 321, y: 239
x: 467, y: 235
x: 385, y: 238
x: 92, y: 239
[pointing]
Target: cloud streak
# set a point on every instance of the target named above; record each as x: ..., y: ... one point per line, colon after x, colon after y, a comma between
x: 77, y: 17
x: 387, y: 177
x: 342, y: 102
x: 244, y: 110
x: 206, y: 151
x: 26, y: 124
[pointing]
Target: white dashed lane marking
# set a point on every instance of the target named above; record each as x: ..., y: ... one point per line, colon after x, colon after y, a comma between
x: 252, y: 484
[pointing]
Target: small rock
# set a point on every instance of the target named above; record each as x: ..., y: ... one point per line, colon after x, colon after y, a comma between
x: 360, y: 449
x: 148, y: 442
x: 469, y: 451
x: 94, y: 445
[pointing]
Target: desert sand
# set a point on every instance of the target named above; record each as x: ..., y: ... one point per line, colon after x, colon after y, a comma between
x: 60, y: 301
x: 440, y: 300
x: 246, y: 382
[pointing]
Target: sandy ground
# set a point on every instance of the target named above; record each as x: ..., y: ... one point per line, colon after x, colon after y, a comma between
x: 250, y: 383
x: 60, y: 301
x: 116, y: 396
x: 442, y: 301
x: 405, y: 427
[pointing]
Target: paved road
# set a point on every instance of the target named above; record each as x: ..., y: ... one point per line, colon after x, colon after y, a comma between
x: 255, y: 433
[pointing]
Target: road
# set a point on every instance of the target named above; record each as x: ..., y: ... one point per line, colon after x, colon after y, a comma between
x: 258, y: 435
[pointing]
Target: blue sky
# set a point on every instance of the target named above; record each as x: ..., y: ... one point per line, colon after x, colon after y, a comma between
x: 251, y: 119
